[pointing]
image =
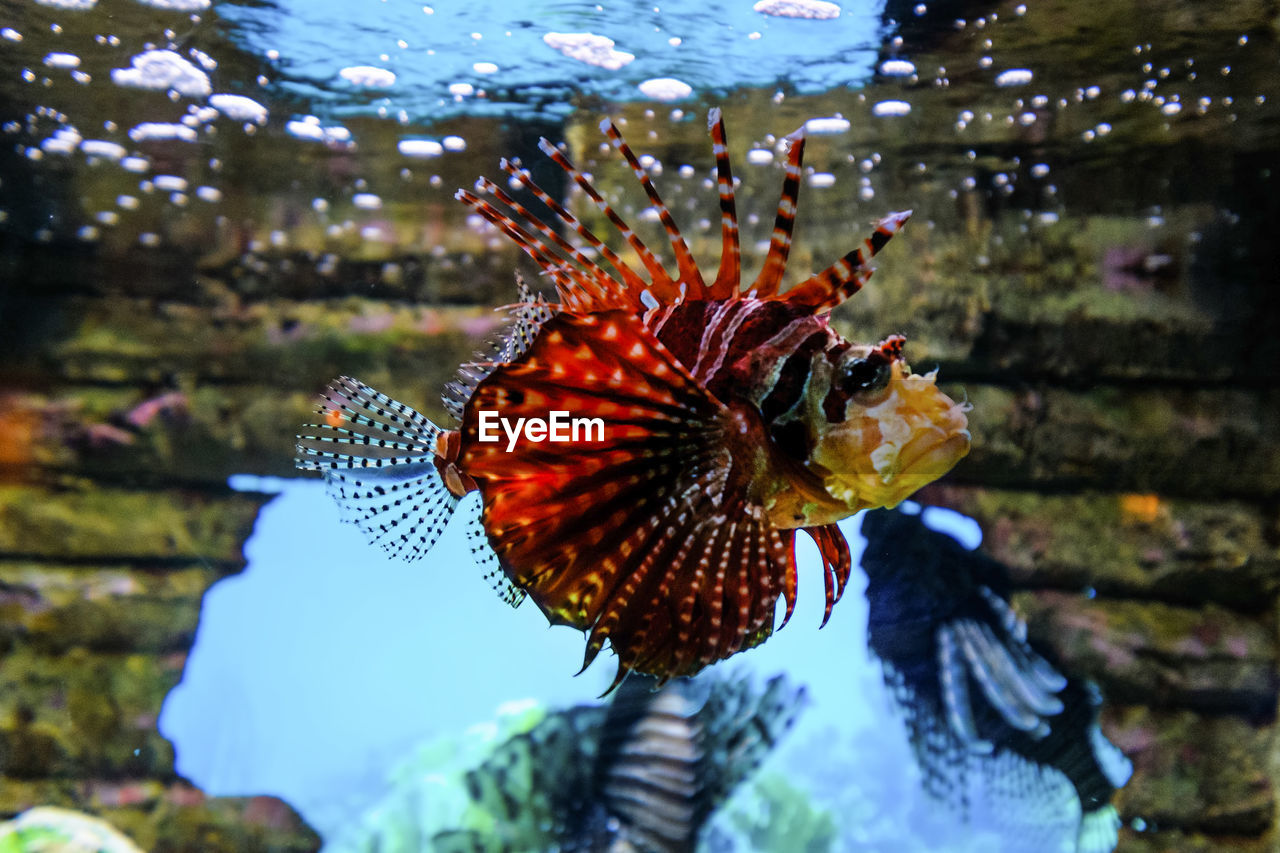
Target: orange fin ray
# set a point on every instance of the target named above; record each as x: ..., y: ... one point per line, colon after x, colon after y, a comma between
x: 585, y: 285
x: 631, y: 281
x: 766, y: 561
x: 837, y: 562
x: 775, y: 263
x: 827, y: 289
x: 635, y: 618
x: 596, y: 282
x: 555, y: 266
x: 790, y: 579
x: 729, y: 277
x: 663, y: 287
x: 644, y: 536
x: 689, y: 275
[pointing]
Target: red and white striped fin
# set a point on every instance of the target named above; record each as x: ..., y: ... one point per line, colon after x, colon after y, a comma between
x: 662, y: 287
x: 736, y: 565
x: 729, y: 278
x: 585, y: 286
x: 630, y: 279
x: 687, y: 267
x: 827, y: 289
x: 596, y: 283
x: 556, y: 267
x: 837, y: 562
x: 775, y: 263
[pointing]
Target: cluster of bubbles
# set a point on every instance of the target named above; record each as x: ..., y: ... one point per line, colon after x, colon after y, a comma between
x: 189, y: 76
x: 893, y: 98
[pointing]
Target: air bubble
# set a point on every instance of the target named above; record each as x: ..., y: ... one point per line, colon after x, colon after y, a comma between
x: 1014, y: 77
x: 891, y: 109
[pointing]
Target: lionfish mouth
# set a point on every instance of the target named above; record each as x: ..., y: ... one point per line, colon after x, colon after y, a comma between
x: 911, y: 438
x: 930, y: 454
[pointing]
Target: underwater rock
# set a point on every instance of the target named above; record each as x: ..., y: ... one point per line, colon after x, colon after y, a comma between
x: 1193, y: 443
x: 162, y: 817
x: 62, y: 831
x: 1142, y: 546
x: 58, y: 608
x: 1206, y: 658
x: 84, y: 713
x: 1166, y: 841
x: 111, y: 523
x: 1197, y: 773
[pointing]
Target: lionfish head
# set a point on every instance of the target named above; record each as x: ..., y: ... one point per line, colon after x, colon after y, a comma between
x: 887, y: 431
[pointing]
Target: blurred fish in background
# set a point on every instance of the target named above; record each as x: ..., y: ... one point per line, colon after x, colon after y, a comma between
x: 644, y: 773
x: 999, y: 731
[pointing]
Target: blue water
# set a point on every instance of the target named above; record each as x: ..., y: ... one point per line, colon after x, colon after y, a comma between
x: 324, y: 658
x: 712, y: 47
x: 321, y: 665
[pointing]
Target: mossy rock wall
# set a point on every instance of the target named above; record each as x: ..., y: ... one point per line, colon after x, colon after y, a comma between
x: 1123, y: 378
x: 100, y: 591
x: 1139, y: 522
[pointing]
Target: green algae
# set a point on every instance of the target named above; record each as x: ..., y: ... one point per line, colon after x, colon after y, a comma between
x: 779, y: 816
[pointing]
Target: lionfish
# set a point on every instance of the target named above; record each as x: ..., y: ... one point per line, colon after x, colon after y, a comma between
x: 982, y: 704
x: 643, y: 775
x: 720, y: 418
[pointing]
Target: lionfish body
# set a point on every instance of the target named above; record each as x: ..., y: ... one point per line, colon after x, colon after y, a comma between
x: 732, y: 416
x: 984, y: 709
x: 644, y: 774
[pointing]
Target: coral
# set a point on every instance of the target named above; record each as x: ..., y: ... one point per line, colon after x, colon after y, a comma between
x: 54, y: 830
x: 778, y: 817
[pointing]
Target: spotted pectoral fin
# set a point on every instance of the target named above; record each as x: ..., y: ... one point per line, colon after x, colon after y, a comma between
x: 487, y: 561
x: 643, y: 532
x: 378, y: 457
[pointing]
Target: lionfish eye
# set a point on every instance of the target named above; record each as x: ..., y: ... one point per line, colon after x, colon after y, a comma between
x: 866, y: 374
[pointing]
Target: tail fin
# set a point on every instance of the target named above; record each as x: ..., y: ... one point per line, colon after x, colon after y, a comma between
x: 378, y: 458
